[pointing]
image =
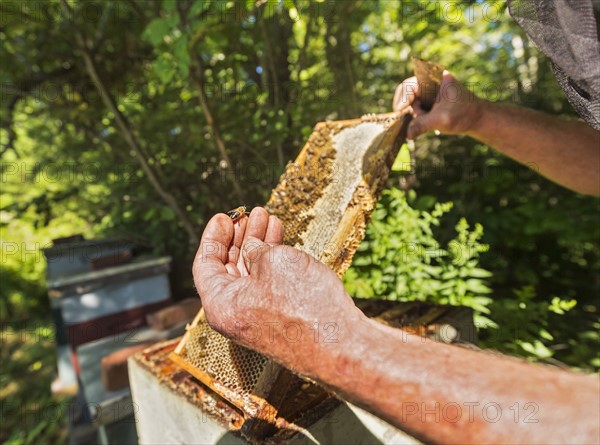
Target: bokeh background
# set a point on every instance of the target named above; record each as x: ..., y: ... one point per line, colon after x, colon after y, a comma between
x: 141, y: 119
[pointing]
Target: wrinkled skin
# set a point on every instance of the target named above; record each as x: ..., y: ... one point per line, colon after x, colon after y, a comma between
x: 455, y: 112
x: 564, y: 151
x: 267, y: 296
x: 285, y: 304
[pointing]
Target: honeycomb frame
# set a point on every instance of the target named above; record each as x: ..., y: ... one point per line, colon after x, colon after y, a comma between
x: 334, y: 182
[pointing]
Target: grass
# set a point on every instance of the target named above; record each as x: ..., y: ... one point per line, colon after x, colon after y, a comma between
x: 30, y: 414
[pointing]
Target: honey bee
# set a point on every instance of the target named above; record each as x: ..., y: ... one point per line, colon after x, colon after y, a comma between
x: 237, y: 213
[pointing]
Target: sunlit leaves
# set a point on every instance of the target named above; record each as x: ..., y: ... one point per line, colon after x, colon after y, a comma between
x: 401, y: 258
x: 560, y: 306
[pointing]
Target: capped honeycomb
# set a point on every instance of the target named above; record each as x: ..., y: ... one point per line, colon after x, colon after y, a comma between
x: 232, y: 365
x: 324, y: 198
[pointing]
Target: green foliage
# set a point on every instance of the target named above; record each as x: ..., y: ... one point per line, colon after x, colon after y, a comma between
x: 30, y: 414
x: 543, y: 238
x: 29, y: 219
x: 269, y: 72
x: 401, y: 259
x: 524, y: 324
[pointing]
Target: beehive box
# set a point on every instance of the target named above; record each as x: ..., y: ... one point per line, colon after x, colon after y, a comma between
x: 98, y: 303
x: 175, y: 407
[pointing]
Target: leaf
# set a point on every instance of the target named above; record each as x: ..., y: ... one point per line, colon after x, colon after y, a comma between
x: 477, y: 287
x: 182, y: 55
x: 546, y: 335
x: 479, y: 273
x: 157, y: 29
x: 537, y: 349
x: 425, y: 202
x: 559, y: 306
x: 402, y: 162
x: 164, y: 68
x: 149, y: 214
x: 167, y: 213
x: 483, y: 322
x: 480, y: 304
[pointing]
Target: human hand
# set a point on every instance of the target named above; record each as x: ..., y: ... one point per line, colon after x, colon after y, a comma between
x: 272, y: 298
x: 455, y: 111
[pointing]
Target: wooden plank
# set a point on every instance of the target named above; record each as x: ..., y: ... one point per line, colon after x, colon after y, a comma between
x: 113, y: 367
x: 182, y: 311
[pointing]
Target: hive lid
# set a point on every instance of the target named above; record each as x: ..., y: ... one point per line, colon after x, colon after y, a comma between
x: 139, y: 267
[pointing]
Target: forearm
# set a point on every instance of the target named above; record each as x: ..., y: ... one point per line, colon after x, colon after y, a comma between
x: 438, y: 392
x: 444, y: 393
x: 564, y: 151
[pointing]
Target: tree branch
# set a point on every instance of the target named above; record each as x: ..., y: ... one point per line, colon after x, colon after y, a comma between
x: 125, y: 129
x: 22, y: 90
x: 304, y: 49
x: 196, y: 72
x: 271, y: 68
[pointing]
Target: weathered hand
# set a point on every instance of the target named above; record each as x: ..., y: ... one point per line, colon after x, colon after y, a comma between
x: 455, y: 111
x: 267, y: 296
